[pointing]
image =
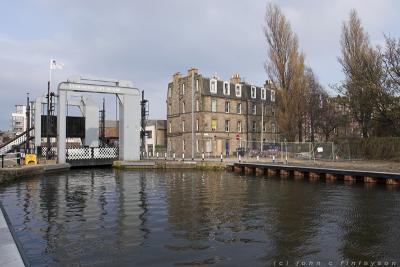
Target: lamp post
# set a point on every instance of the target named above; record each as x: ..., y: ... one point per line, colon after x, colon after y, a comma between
x: 286, y: 156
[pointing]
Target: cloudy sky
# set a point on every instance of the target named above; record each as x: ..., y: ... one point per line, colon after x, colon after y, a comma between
x: 148, y: 41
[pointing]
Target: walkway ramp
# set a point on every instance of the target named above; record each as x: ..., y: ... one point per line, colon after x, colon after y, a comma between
x: 17, y: 141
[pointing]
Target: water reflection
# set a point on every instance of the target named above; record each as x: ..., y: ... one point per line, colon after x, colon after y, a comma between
x: 115, y: 218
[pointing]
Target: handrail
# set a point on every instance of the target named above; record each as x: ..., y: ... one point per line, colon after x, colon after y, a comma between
x: 18, y: 136
x: 18, y: 140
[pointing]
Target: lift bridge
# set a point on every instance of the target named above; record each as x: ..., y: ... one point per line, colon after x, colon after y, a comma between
x: 58, y: 127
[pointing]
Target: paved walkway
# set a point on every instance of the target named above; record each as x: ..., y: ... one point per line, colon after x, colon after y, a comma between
x: 367, y: 165
x: 9, y: 253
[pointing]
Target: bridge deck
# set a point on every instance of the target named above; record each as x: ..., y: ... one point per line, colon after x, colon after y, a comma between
x: 91, y: 162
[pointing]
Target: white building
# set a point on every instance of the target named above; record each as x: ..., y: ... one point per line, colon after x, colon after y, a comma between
x: 18, y: 119
x: 156, y: 137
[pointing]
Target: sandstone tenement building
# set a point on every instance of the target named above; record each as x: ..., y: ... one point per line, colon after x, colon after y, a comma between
x: 224, y: 111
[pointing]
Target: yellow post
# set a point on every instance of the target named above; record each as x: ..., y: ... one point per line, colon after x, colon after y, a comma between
x: 30, y: 159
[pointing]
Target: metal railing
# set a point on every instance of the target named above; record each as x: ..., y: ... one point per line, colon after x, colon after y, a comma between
x: 11, y: 160
x: 17, y: 141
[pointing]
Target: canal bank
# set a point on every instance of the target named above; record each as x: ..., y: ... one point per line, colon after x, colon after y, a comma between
x: 12, y: 174
x: 166, y: 164
x: 316, y: 173
x: 10, y: 254
x: 329, y: 171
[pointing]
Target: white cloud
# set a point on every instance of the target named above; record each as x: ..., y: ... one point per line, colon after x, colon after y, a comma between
x: 148, y: 41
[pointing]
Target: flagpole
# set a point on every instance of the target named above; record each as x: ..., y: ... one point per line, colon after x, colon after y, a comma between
x: 48, y: 117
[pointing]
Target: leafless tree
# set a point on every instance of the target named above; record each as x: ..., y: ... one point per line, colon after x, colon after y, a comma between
x: 285, y: 68
x: 361, y: 64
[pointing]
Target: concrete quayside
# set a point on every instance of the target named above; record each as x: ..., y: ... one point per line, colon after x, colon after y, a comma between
x: 316, y: 173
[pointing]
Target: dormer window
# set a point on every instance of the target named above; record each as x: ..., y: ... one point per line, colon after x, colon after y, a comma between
x: 263, y: 94
x: 213, y: 86
x: 238, y: 90
x: 253, y: 92
x: 227, y: 88
x: 272, y: 95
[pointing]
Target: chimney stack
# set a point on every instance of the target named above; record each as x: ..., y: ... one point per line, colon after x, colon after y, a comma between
x: 236, y: 78
x: 176, y: 77
x: 268, y: 84
x: 192, y: 70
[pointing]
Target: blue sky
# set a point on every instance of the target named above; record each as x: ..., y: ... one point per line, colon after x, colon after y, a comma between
x: 148, y: 41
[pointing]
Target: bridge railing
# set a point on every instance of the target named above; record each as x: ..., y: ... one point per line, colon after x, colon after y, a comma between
x: 87, y: 153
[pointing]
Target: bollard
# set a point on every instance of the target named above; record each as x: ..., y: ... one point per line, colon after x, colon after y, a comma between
x: 2, y: 161
x: 183, y: 156
x: 221, y: 157
x: 157, y: 155
x: 286, y: 160
x: 19, y: 158
x: 258, y: 158
x: 240, y: 158
x: 273, y: 159
x: 165, y: 156
x: 202, y: 156
x: 173, y: 155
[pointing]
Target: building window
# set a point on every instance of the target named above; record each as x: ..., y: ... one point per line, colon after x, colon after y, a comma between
x: 227, y: 88
x: 197, y: 105
x: 183, y: 107
x: 263, y: 94
x: 254, y: 126
x: 213, y: 125
x: 253, y: 92
x: 197, y: 145
x: 254, y: 109
x: 183, y: 89
x: 213, y: 86
x: 227, y: 106
x: 239, y: 108
x: 238, y: 90
x: 197, y: 85
x: 227, y: 126
x: 273, y: 128
x: 183, y: 145
x: 272, y: 95
x: 169, y: 109
x: 170, y: 92
x: 197, y: 125
x: 183, y: 126
x: 264, y: 127
x: 239, y: 126
x: 170, y: 127
x: 213, y: 105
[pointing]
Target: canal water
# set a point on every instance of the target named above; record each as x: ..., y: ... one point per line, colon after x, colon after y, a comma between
x: 104, y: 217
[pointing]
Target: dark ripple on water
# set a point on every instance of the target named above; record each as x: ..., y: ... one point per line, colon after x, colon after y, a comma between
x: 107, y: 218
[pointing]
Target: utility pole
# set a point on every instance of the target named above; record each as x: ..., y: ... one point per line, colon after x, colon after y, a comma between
x: 48, y: 121
x: 193, y: 88
x: 28, y: 124
x: 262, y: 125
x: 103, y: 123
x: 144, y: 113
